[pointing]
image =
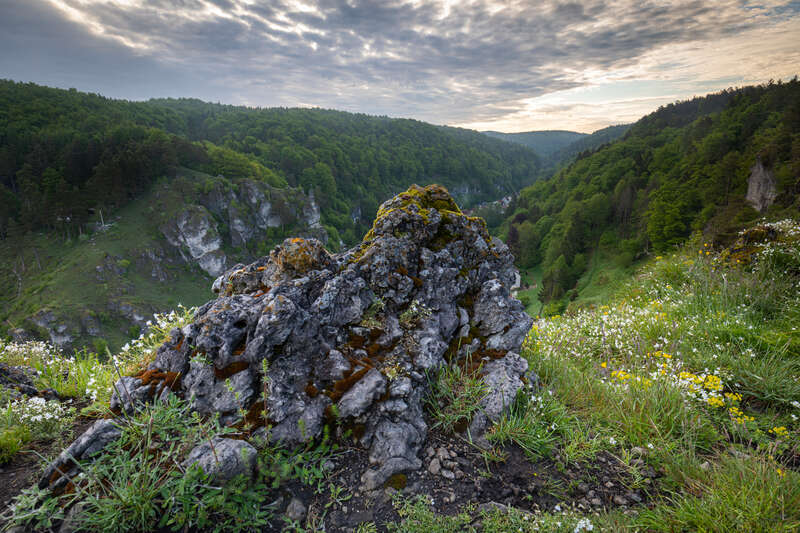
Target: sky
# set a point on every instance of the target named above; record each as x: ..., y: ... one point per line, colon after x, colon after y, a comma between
x: 483, y: 64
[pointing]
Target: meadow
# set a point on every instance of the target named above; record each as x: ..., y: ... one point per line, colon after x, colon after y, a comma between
x: 691, y: 371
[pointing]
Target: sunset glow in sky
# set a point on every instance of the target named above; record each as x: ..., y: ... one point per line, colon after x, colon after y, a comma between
x: 484, y: 64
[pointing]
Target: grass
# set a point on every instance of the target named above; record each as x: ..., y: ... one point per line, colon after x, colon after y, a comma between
x: 62, y: 276
x: 82, y: 376
x: 691, y: 370
x: 455, y: 397
x: 140, y: 483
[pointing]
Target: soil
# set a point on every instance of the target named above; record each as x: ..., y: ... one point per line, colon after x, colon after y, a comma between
x: 531, y: 486
x: 25, y: 467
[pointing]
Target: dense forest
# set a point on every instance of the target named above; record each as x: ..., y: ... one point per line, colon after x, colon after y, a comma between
x: 544, y: 142
x: 64, y: 153
x: 681, y: 169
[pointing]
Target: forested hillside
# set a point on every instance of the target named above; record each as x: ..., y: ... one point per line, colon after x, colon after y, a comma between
x: 684, y: 168
x: 587, y: 144
x: 62, y: 152
x: 545, y: 143
x: 112, y: 210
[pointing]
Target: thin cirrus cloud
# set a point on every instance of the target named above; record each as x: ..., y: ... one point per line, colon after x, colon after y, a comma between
x: 487, y: 64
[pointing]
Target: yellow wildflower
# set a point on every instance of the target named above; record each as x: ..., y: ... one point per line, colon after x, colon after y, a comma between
x: 780, y: 431
x: 715, y: 401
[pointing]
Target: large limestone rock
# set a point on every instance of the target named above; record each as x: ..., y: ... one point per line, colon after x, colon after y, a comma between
x: 194, y: 232
x: 351, y: 339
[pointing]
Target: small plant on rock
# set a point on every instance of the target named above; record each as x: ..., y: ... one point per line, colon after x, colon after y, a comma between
x: 415, y: 313
x: 456, y: 395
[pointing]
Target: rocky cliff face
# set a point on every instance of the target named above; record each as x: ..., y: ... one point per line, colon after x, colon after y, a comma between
x: 248, y: 209
x: 761, y: 188
x: 205, y: 227
x: 194, y: 233
x: 351, y: 340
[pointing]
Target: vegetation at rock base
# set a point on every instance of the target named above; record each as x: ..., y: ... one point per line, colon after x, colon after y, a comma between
x: 689, y: 377
x: 680, y: 169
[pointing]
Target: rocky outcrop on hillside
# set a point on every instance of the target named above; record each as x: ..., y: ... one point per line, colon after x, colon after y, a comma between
x: 194, y: 233
x: 248, y: 209
x: 302, y: 339
x: 761, y: 187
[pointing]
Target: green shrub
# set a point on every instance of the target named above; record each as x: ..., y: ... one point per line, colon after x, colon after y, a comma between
x: 12, y: 439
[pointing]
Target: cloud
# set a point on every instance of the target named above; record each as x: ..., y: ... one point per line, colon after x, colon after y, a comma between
x: 478, y: 62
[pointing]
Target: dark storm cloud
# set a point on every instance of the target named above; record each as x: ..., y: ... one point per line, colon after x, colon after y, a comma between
x: 469, y: 61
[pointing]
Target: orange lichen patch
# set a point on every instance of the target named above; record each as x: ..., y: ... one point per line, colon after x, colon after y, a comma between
x: 231, y: 369
x: 311, y: 390
x: 261, y: 269
x: 180, y: 344
x: 56, y: 475
x: 258, y: 294
x: 155, y: 376
x: 345, y: 384
x: 402, y: 270
x: 357, y: 341
x: 254, y: 418
x: 492, y: 354
x: 374, y: 350
x: 354, y: 430
x: 417, y: 281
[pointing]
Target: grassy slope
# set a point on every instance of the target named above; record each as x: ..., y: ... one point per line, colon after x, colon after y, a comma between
x: 67, y: 281
x: 692, y: 368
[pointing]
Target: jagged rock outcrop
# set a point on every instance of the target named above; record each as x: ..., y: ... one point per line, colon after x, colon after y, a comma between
x: 194, y: 232
x: 353, y: 339
x: 761, y: 187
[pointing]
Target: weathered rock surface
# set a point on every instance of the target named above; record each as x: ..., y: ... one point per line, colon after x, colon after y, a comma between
x: 65, y: 467
x: 223, y: 459
x: 351, y: 339
x: 194, y: 232
x: 761, y: 187
x: 16, y: 381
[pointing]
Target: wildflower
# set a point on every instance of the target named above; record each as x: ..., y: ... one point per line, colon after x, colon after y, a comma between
x: 612, y: 441
x: 603, y: 364
x: 780, y: 431
x: 715, y: 401
x: 583, y: 525
x: 780, y: 472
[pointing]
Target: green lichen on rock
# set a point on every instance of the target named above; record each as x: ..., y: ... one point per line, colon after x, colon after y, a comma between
x: 408, y: 212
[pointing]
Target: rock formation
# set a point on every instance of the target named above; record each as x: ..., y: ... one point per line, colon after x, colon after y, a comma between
x: 761, y: 189
x: 303, y: 338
